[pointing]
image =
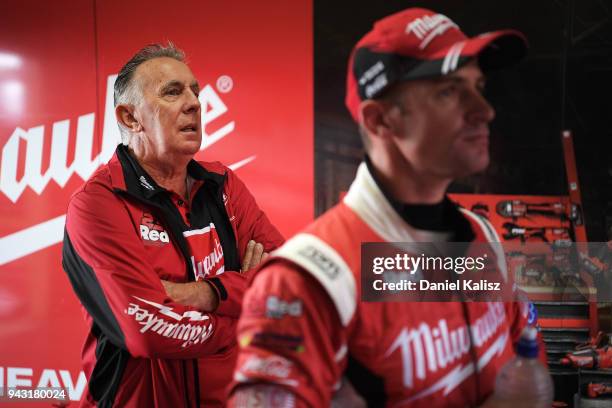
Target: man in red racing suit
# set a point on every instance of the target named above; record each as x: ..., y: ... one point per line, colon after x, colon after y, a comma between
x: 303, y: 327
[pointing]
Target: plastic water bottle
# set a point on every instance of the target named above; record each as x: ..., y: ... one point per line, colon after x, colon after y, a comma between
x: 524, y: 381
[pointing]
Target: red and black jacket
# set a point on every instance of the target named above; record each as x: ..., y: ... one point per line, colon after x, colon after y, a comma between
x: 123, y: 234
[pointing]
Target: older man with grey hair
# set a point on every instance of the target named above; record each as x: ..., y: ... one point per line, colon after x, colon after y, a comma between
x: 156, y: 248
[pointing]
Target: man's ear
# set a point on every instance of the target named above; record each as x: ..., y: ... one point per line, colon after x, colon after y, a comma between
x: 378, y: 118
x: 125, y: 116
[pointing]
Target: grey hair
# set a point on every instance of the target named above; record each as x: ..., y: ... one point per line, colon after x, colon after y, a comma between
x: 125, y: 91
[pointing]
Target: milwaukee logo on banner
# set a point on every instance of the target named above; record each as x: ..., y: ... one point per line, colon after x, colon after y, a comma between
x: 83, y: 164
x: 42, y: 235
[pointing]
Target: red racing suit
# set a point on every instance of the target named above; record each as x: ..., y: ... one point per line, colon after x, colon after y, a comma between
x: 123, y: 234
x: 303, y: 326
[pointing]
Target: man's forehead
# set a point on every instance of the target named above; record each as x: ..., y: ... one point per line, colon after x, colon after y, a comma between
x: 159, y: 71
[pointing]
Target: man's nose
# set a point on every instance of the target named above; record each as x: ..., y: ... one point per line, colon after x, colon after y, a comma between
x: 480, y: 110
x: 192, y: 104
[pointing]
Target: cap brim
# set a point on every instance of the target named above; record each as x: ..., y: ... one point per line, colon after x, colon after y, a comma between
x: 494, y: 50
x: 499, y: 49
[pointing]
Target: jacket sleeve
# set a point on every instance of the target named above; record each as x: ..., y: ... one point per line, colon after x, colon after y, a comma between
x: 251, y: 224
x: 110, y: 273
x: 290, y: 337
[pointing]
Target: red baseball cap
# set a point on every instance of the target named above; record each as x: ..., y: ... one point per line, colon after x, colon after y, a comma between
x: 417, y: 43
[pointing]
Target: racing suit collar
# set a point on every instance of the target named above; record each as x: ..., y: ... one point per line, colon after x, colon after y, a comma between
x: 441, y: 216
x: 400, y: 222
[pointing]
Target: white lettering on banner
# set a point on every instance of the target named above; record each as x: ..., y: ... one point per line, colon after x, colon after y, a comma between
x: 16, y: 377
x: 428, y: 349
x: 74, y: 391
x: 58, y: 170
x: 19, y: 243
x: 32, y: 239
x: 84, y: 165
x: 212, y: 108
x: 13, y: 374
x: 48, y: 379
x: 242, y: 163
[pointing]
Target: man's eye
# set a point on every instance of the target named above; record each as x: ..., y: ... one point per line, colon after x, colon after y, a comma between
x: 447, y: 91
x: 173, y: 92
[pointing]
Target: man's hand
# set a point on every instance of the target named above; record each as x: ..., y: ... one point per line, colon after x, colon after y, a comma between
x: 347, y: 397
x: 195, y: 294
x: 200, y: 294
x: 253, y: 256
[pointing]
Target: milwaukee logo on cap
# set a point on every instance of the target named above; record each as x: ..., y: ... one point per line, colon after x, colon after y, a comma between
x: 429, y: 27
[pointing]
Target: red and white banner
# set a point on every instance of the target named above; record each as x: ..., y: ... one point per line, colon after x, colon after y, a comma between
x: 58, y: 63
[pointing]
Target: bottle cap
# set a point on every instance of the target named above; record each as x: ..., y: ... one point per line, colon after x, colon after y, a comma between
x: 528, y: 344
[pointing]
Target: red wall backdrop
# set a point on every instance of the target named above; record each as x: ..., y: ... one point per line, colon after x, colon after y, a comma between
x: 57, y: 62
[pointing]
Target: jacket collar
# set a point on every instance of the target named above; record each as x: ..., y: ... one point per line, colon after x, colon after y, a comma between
x: 128, y: 175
